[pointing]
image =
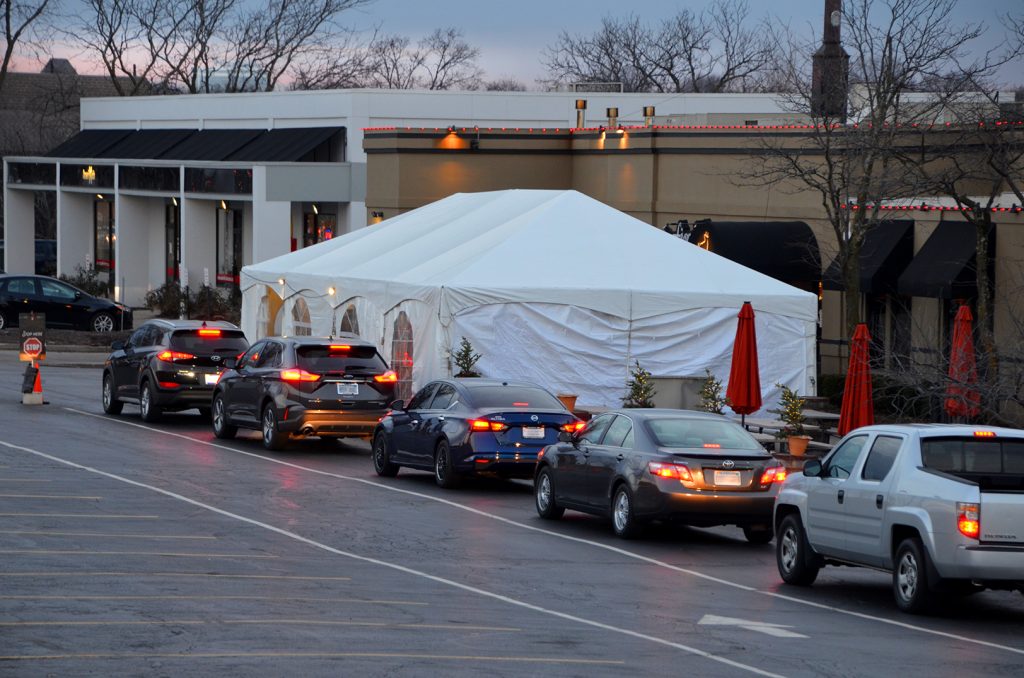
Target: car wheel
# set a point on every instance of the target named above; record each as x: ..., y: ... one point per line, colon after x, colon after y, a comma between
x: 102, y: 322
x: 382, y: 458
x: 3, y: 322
x: 624, y: 520
x: 149, y: 410
x: 544, y: 496
x: 792, y: 553
x: 758, y: 534
x: 910, y: 584
x: 221, y: 427
x: 111, y: 405
x: 273, y: 438
x: 444, y: 471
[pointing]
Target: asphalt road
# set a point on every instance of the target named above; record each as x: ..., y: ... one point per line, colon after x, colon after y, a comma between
x: 130, y: 549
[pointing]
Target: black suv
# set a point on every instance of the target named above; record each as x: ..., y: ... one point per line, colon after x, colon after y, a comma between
x: 169, y: 365
x: 331, y: 387
x: 64, y: 305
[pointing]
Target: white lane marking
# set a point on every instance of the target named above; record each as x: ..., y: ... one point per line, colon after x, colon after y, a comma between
x: 578, y: 540
x: 403, y: 568
x: 776, y: 630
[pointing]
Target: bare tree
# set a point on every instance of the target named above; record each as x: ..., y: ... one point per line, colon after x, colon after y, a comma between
x: 394, y: 63
x: 449, y: 61
x: 505, y: 84
x: 19, y: 17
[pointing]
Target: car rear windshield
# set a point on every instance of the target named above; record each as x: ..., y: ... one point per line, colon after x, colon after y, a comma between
x: 340, y: 359
x: 701, y: 434
x: 517, y: 397
x: 209, y: 341
x: 982, y: 456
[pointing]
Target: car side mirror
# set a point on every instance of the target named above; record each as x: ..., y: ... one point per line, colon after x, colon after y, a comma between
x: 565, y: 437
x: 397, y: 405
x: 117, y: 345
x: 230, y: 363
x: 812, y: 468
x: 78, y: 295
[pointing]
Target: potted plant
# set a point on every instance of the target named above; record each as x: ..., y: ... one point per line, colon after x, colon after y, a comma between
x: 791, y: 412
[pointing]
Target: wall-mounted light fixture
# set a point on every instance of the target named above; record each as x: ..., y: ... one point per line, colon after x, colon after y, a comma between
x: 174, y: 201
x: 377, y: 217
x: 316, y: 210
x: 99, y: 196
x: 223, y: 205
x: 581, y: 113
x: 451, y: 129
x: 331, y: 291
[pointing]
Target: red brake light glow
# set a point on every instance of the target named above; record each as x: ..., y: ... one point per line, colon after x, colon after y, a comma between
x: 209, y: 333
x: 169, y: 356
x: 340, y: 348
x: 712, y: 445
x: 486, y: 425
x: 680, y: 472
x: 389, y: 377
x: 574, y: 426
x: 298, y: 375
x: 984, y: 434
x: 968, y: 519
x: 520, y: 404
x: 169, y: 384
x: 773, y: 474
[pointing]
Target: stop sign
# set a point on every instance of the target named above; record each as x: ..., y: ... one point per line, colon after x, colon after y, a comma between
x: 32, y: 346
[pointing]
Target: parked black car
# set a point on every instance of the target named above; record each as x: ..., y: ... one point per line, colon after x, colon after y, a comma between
x: 458, y: 427
x: 169, y: 365
x: 65, y: 306
x: 331, y: 387
x: 638, y: 465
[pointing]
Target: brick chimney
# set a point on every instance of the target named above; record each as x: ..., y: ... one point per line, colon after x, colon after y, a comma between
x: 831, y: 67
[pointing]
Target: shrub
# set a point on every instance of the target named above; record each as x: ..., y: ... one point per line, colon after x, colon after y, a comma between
x: 641, y: 388
x: 89, y: 281
x: 711, y: 398
x: 465, y: 359
x: 166, y: 300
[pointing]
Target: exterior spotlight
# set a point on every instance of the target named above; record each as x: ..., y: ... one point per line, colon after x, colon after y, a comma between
x: 174, y: 201
x: 223, y: 205
x: 99, y: 196
x: 315, y: 209
x: 331, y: 291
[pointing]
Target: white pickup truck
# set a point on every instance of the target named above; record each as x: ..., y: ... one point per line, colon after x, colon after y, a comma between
x: 939, y: 506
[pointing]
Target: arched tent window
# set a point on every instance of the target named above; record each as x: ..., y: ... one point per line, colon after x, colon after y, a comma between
x: 401, y: 356
x: 350, y: 321
x: 301, y: 323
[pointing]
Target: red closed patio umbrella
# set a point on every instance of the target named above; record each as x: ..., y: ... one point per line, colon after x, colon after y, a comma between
x: 962, y: 396
x: 744, y: 390
x: 858, y: 408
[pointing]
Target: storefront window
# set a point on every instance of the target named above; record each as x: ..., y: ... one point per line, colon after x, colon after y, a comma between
x: 212, y: 180
x: 350, y: 321
x: 401, y: 356
x: 150, y: 178
x: 89, y: 176
x: 104, y: 239
x: 318, y: 228
x: 32, y: 173
x: 172, y: 241
x: 301, y: 323
x: 229, y: 244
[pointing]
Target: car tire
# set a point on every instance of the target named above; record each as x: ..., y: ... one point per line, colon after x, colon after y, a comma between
x: 792, y: 553
x: 102, y: 322
x: 219, y: 418
x: 3, y: 322
x: 147, y: 408
x: 111, y: 405
x: 382, y: 458
x: 544, y: 496
x: 624, y: 521
x: 445, y: 474
x: 758, y: 534
x: 273, y: 437
x: 910, y: 585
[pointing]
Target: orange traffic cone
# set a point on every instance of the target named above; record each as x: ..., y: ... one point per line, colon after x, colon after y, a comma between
x: 36, y: 396
x: 38, y: 386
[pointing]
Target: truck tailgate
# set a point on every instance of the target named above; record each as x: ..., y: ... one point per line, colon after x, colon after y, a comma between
x: 1002, y: 517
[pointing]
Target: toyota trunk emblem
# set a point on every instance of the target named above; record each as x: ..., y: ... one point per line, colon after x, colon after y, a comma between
x: 728, y: 463
x: 534, y: 417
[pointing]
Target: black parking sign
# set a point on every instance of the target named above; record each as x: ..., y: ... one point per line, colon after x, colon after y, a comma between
x: 33, y: 336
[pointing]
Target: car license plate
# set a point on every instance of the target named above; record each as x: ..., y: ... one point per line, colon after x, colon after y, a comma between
x: 728, y: 478
x: 346, y: 388
x: 211, y: 379
x: 533, y: 432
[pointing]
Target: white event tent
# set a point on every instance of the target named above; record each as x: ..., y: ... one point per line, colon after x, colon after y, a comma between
x: 552, y: 287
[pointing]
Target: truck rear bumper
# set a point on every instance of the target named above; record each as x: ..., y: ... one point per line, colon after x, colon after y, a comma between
x: 982, y: 562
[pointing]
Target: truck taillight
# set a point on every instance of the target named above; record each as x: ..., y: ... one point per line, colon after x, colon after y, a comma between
x: 968, y: 519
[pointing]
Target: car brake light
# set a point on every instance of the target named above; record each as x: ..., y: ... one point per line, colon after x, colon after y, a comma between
x: 389, y: 377
x: 298, y: 375
x: 574, y: 426
x: 520, y: 404
x: 486, y: 425
x: 343, y: 347
x: 209, y: 333
x: 984, y: 434
x: 968, y: 519
x: 170, y: 356
x: 773, y: 474
x: 169, y: 384
x: 681, y: 472
x: 712, y: 445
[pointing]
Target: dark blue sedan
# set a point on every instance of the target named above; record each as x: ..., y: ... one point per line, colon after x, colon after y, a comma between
x: 461, y: 427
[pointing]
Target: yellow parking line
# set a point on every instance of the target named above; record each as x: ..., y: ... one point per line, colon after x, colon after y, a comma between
x: 130, y: 553
x: 170, y: 574
x: 44, y: 496
x: 292, y: 622
x: 104, y: 534
x: 79, y: 515
x: 278, y: 599
x: 328, y: 655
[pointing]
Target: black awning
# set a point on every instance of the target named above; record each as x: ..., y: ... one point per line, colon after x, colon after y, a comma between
x: 887, y: 250
x: 784, y: 250
x: 211, y: 144
x: 284, y: 145
x: 147, y: 144
x: 89, y: 143
x: 944, y: 267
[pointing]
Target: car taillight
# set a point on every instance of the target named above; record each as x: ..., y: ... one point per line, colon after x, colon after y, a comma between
x: 680, y: 472
x: 389, y: 377
x: 968, y: 519
x: 171, y: 356
x: 298, y: 375
x: 486, y: 425
x: 573, y: 426
x: 773, y: 474
x: 169, y: 384
x: 209, y: 333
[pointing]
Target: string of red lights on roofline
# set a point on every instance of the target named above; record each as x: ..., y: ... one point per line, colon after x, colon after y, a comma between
x: 629, y: 128
x: 1015, y: 209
